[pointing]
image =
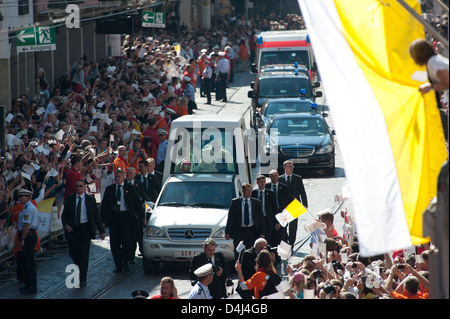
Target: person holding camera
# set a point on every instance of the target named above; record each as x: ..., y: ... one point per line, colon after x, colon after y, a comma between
x: 221, y: 270
x: 136, y: 155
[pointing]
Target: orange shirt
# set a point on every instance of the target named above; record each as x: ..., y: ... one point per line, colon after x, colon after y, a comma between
x: 257, y: 283
x: 120, y: 163
x: 397, y: 295
x: 182, y: 110
x: 201, y: 66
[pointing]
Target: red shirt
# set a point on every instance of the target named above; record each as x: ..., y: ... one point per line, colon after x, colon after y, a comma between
x: 71, y: 179
x: 160, y: 297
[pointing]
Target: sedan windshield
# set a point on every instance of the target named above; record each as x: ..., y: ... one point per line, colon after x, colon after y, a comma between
x: 287, y: 107
x: 309, y: 127
x: 198, y: 194
x: 284, y: 87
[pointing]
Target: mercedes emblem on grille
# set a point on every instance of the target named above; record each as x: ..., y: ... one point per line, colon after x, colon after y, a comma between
x: 189, y: 234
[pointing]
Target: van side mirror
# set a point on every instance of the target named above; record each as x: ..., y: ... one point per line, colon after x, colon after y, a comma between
x: 316, y: 84
x: 314, y: 67
x: 252, y: 85
x: 253, y: 68
x: 250, y: 94
x: 318, y: 94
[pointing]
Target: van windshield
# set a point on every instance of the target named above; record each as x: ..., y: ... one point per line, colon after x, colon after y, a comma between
x: 285, y: 87
x: 208, y: 150
x: 285, y: 57
x: 198, y: 194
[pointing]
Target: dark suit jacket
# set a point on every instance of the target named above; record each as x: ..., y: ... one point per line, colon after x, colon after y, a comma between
x: 139, y: 189
x: 154, y: 186
x: 68, y: 215
x: 284, y: 197
x: 296, y: 188
x: 270, y: 204
x: 235, y: 213
x: 217, y: 287
x: 248, y: 263
x: 132, y: 200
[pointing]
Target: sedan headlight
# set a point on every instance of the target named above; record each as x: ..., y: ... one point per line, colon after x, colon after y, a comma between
x: 154, y: 232
x: 220, y: 233
x: 326, y: 149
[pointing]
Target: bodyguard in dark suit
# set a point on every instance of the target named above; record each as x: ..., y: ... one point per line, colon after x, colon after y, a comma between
x: 245, y: 219
x: 139, y: 230
x: 296, y: 188
x: 122, y: 210
x: 80, y: 219
x: 269, y: 205
x: 151, y: 183
x: 283, y: 198
x: 217, y: 288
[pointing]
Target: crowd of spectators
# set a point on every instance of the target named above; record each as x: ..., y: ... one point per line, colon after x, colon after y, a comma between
x: 128, y: 100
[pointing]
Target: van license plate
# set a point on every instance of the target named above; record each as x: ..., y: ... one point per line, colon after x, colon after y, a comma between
x: 186, y: 253
x: 300, y: 160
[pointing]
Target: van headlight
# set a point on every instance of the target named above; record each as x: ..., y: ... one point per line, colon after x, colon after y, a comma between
x: 220, y: 233
x: 154, y: 232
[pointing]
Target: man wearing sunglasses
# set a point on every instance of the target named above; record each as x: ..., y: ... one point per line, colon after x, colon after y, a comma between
x: 80, y: 218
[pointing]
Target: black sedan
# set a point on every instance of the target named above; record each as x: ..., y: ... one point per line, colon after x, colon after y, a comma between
x: 303, y: 138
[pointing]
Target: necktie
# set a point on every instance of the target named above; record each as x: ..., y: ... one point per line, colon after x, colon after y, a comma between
x: 288, y: 180
x: 78, y: 212
x: 276, y: 195
x: 261, y: 198
x: 118, y: 194
x: 246, y: 213
x: 145, y: 185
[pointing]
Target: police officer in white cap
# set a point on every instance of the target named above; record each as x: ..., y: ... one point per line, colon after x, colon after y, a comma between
x: 205, y: 276
x: 27, y: 232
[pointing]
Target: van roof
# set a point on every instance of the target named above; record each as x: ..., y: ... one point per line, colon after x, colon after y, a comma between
x: 211, y: 120
x: 199, y: 177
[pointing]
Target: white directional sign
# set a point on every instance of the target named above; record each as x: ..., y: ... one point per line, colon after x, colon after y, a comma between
x: 154, y: 19
x: 36, y: 39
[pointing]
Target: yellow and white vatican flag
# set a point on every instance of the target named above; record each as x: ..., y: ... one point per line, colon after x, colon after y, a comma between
x: 390, y: 135
x: 292, y: 211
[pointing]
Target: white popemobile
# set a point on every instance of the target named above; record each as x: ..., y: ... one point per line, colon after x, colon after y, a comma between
x: 206, y: 164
